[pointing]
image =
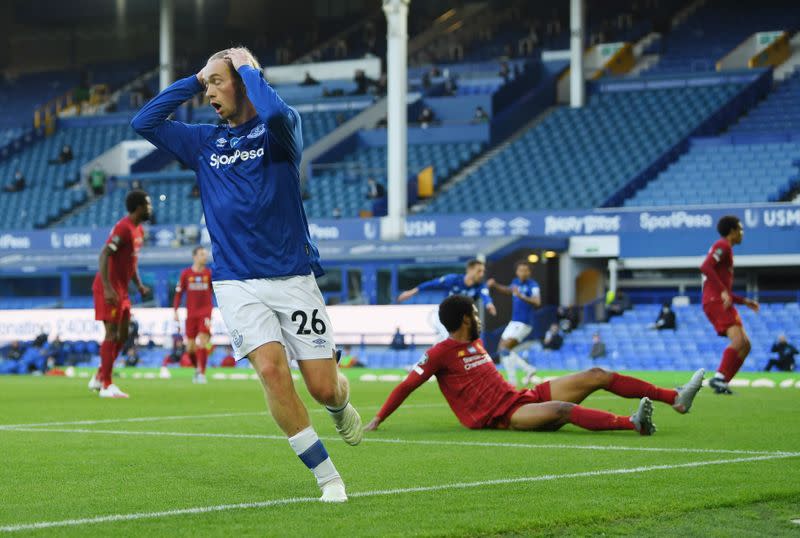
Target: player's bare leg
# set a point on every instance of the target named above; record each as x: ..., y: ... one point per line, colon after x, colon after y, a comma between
x: 511, y: 361
x: 577, y: 387
x: 269, y: 361
x: 330, y: 388
x: 732, y: 359
x: 550, y: 416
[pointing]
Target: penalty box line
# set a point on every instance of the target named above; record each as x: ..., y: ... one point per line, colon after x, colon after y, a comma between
x: 377, y: 493
x: 428, y: 442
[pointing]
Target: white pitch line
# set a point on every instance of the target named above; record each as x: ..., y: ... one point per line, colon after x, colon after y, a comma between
x: 429, y: 442
x: 134, y: 419
x: 179, y: 417
x: 377, y: 493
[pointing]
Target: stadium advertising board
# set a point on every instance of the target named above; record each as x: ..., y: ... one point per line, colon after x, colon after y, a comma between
x: 353, y: 324
x: 769, y: 228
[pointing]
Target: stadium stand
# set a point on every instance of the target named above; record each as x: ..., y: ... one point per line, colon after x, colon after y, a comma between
x: 716, y: 29
x: 720, y: 171
x: 632, y: 346
x: 36, y: 205
x: 778, y: 113
x: 578, y: 158
x: 344, y: 187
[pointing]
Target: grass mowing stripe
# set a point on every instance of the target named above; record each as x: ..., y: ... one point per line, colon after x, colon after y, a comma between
x: 430, y: 442
x: 378, y: 493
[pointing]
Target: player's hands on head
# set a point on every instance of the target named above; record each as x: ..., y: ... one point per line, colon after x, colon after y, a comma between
x: 373, y: 425
x: 111, y: 296
x: 238, y: 57
x: 491, y: 309
x: 201, y: 76
x: 726, y: 299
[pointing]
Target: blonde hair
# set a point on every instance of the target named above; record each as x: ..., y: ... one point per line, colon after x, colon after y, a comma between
x: 251, y: 59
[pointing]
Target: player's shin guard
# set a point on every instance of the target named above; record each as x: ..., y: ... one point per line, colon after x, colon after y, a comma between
x: 202, y: 359
x: 311, y: 451
x: 630, y: 387
x: 107, y: 357
x: 731, y: 362
x: 594, y: 419
x: 510, y: 365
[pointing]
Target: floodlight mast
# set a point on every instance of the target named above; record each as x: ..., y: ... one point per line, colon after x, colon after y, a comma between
x: 577, y: 24
x: 393, y: 226
x: 166, y: 49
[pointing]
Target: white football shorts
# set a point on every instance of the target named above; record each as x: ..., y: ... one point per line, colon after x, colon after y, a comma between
x: 516, y: 330
x: 289, y: 310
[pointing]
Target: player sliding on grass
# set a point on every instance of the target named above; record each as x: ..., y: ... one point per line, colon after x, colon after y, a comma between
x: 264, y: 259
x: 481, y: 398
x: 195, y: 281
x: 118, y: 265
x: 525, y: 298
x: 718, y: 301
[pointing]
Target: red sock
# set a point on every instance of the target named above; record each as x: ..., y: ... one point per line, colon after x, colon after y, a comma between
x: 630, y: 387
x: 202, y: 359
x: 107, y: 357
x: 731, y: 362
x: 594, y: 419
x: 193, y: 357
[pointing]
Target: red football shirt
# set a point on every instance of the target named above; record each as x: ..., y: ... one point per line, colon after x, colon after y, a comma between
x: 197, y: 286
x: 467, y: 377
x: 124, y: 242
x: 717, y: 271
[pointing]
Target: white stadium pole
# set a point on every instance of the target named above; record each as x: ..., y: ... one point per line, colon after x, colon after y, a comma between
x: 577, y: 88
x: 166, y: 54
x: 397, y: 74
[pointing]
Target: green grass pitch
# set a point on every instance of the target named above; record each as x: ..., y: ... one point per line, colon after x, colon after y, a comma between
x: 184, y: 460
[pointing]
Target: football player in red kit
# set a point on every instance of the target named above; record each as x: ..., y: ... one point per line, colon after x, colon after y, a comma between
x: 481, y: 398
x: 112, y: 306
x: 195, y: 281
x: 719, y: 301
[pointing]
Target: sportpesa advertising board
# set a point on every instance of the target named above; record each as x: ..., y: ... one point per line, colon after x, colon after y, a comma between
x: 769, y: 229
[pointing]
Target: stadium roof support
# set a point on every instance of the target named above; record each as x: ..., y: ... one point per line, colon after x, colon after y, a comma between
x: 577, y: 23
x: 397, y: 74
x: 166, y: 49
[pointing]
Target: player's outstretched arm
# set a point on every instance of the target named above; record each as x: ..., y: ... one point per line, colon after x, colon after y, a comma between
x: 152, y: 124
x: 406, y: 295
x: 402, y: 391
x: 496, y: 286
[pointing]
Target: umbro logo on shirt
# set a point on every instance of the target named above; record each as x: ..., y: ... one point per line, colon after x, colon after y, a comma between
x: 257, y: 131
x: 221, y: 142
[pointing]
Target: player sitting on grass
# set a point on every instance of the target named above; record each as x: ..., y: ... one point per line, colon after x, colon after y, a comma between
x: 481, y: 398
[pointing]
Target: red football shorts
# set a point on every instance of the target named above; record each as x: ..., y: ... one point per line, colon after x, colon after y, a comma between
x: 720, y: 317
x: 196, y: 325
x: 107, y: 312
x: 502, y: 419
